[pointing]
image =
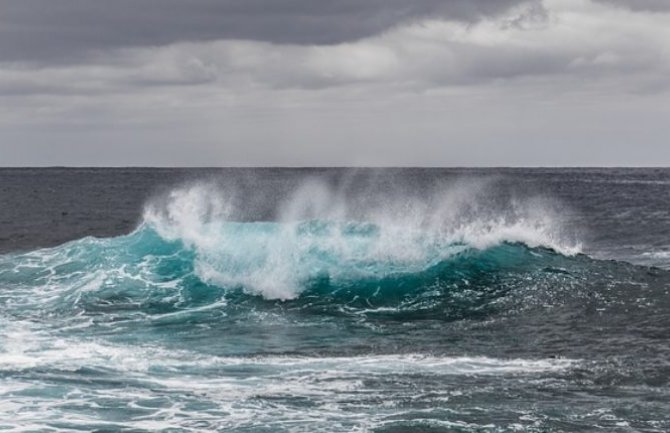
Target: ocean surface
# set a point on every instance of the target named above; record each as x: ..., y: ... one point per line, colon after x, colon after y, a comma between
x: 335, y: 300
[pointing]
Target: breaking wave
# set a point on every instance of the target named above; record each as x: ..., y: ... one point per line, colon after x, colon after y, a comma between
x: 191, y: 245
x: 320, y: 235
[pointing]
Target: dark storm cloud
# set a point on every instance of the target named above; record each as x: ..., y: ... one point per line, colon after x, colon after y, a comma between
x: 65, y: 30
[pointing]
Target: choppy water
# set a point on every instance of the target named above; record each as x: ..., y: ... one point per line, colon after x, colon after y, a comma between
x: 335, y: 300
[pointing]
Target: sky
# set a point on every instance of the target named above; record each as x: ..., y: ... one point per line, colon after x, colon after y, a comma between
x: 335, y: 83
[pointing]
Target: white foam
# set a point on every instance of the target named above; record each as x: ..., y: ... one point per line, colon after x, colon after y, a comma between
x: 22, y: 346
x: 411, y: 232
x: 660, y: 255
x: 338, y: 389
x: 230, y: 392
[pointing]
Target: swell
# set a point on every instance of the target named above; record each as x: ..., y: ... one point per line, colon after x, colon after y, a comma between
x: 143, y: 271
x: 455, y: 257
x: 144, y: 287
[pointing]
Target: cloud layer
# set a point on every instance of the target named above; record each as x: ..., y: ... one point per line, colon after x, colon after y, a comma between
x: 66, y: 30
x: 245, y: 74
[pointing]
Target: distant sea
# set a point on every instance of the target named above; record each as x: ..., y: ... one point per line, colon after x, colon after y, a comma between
x: 334, y: 300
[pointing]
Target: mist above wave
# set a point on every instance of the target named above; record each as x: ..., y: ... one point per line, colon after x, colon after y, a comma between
x: 349, y: 231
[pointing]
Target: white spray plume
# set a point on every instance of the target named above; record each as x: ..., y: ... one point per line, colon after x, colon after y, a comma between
x: 356, y: 229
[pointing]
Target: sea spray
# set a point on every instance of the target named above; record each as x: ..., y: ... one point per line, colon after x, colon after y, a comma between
x: 323, y: 231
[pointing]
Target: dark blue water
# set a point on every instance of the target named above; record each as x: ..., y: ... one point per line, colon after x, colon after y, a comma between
x: 270, y: 300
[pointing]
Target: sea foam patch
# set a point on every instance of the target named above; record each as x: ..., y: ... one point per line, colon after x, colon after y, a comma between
x: 22, y: 347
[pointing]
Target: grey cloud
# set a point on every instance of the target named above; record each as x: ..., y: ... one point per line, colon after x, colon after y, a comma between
x: 529, y: 43
x: 67, y: 30
x: 210, y: 82
x: 641, y: 5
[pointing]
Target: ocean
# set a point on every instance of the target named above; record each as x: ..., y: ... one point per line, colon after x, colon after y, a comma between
x: 334, y: 300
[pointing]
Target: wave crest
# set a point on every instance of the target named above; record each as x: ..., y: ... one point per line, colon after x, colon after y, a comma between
x: 325, y: 232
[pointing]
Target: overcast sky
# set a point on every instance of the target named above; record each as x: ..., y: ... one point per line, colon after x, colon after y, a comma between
x: 341, y: 82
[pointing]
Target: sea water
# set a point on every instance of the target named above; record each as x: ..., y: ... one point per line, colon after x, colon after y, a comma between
x: 335, y: 300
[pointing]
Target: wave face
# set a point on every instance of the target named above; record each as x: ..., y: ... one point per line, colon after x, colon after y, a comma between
x: 188, y: 242
x: 320, y: 236
x: 342, y: 263
x: 341, y: 312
